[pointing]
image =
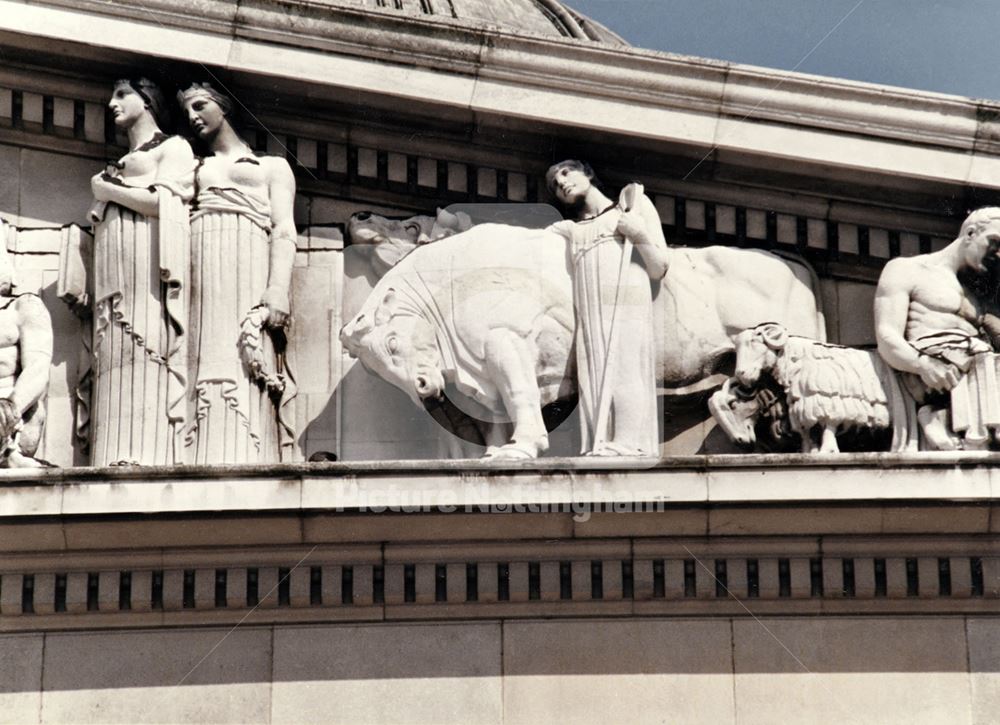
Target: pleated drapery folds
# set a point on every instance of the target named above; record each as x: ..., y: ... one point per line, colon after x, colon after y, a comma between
x: 138, y: 357
x: 235, y: 419
x: 602, y: 300
x: 975, y: 401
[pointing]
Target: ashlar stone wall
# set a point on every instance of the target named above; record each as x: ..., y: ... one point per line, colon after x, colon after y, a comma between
x: 728, y: 670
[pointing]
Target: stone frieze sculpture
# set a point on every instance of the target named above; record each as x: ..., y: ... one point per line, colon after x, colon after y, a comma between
x: 436, y: 317
x: 242, y: 248
x: 393, y: 239
x: 25, y: 359
x: 935, y: 322
x: 612, y: 300
x: 935, y: 380
x: 824, y: 390
x: 137, y: 289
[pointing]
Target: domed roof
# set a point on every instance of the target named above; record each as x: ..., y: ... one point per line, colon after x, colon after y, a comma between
x: 533, y: 17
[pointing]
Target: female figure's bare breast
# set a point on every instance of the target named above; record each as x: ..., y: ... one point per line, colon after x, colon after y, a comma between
x: 139, y: 167
x: 245, y: 173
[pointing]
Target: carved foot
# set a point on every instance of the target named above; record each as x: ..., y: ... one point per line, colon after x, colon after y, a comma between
x: 934, y: 424
x: 617, y: 449
x: 520, y: 447
x: 511, y: 451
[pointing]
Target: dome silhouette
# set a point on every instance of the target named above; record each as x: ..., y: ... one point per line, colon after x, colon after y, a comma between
x: 533, y: 17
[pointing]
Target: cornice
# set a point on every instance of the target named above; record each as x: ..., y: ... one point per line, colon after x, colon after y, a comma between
x: 463, y: 540
x: 480, y: 68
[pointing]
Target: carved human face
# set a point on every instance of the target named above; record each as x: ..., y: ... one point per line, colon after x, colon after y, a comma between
x: 570, y: 185
x: 985, y: 242
x: 126, y: 105
x: 204, y: 115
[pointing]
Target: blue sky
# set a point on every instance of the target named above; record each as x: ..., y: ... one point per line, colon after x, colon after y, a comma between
x: 950, y: 46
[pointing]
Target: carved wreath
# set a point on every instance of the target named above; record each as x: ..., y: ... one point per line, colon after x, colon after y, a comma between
x: 251, y: 344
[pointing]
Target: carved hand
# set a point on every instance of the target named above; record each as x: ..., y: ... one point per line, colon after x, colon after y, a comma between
x: 276, y: 300
x: 9, y: 417
x: 99, y: 186
x: 937, y: 375
x: 632, y: 226
x: 991, y: 326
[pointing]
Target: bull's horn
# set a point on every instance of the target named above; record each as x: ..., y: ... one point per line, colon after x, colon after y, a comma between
x: 354, y: 331
x: 445, y: 222
x: 448, y: 223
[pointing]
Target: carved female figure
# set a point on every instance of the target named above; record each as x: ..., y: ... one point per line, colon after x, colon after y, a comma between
x: 616, y: 249
x: 139, y: 270
x: 243, y: 246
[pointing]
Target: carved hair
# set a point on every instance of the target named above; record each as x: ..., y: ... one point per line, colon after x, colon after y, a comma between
x: 827, y: 384
x: 979, y: 220
x: 574, y: 165
x: 152, y: 96
x: 205, y: 90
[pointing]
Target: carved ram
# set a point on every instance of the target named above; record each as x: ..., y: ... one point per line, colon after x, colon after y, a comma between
x: 827, y: 389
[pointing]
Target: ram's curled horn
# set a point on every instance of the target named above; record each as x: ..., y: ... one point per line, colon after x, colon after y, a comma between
x: 774, y: 335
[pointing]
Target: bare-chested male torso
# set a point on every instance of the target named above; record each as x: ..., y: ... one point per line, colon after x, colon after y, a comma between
x: 937, y: 303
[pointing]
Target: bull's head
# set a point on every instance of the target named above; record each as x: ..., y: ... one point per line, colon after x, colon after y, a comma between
x: 398, y: 345
x: 393, y: 239
x: 757, y: 350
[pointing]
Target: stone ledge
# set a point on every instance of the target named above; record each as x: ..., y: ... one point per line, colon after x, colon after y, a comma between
x: 446, y: 486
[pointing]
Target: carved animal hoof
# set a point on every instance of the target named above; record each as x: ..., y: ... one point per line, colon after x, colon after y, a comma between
x: 19, y: 460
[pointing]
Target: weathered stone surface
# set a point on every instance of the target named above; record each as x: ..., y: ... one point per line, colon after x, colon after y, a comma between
x: 984, y: 665
x: 446, y: 673
x: 610, y: 671
x: 10, y: 195
x: 856, y: 670
x: 20, y: 678
x: 54, y: 189
x: 164, y: 676
x: 856, y: 327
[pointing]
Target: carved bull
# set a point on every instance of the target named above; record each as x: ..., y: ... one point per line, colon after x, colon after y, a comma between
x: 490, y: 310
x: 393, y: 239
